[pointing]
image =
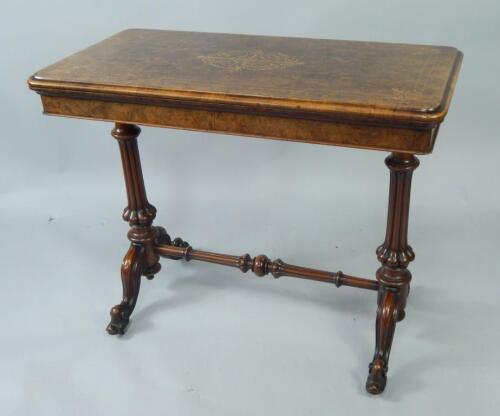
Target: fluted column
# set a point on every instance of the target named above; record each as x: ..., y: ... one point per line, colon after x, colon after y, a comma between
x: 393, y: 276
x: 141, y: 258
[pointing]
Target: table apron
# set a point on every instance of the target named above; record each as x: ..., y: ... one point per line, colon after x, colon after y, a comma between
x: 387, y: 138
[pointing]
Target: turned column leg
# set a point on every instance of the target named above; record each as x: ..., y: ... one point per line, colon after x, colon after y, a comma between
x: 139, y: 213
x: 394, y: 254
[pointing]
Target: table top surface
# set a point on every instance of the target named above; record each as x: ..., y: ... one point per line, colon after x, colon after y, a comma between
x: 366, y: 80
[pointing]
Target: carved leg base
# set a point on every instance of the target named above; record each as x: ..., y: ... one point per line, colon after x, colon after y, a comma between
x: 377, y: 378
x: 140, y: 260
x: 119, y: 321
x: 132, y: 268
x: 387, y: 316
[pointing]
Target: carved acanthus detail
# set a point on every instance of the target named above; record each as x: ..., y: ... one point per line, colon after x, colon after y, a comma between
x: 141, y: 216
x: 395, y: 258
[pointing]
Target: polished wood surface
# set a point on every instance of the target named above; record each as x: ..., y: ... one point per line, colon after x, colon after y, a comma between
x: 366, y: 95
x: 359, y: 94
x: 261, y: 265
x: 141, y: 258
x: 394, y: 277
x: 284, y: 128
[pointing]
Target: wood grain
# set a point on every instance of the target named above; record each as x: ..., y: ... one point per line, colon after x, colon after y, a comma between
x: 394, y: 277
x: 275, y: 78
x: 261, y: 265
x: 399, y: 139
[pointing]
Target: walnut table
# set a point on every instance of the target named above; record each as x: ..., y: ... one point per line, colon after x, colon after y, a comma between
x: 377, y: 96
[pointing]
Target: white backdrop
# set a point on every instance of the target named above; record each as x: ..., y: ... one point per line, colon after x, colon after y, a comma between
x: 205, y: 340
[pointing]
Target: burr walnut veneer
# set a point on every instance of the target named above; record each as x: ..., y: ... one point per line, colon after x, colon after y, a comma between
x: 379, y: 96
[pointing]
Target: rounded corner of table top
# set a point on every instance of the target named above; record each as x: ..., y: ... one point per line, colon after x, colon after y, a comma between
x: 32, y: 82
x: 41, y: 85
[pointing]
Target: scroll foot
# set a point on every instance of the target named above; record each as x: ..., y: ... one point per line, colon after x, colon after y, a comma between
x: 119, y: 321
x: 132, y: 267
x: 377, y: 378
x: 387, y: 316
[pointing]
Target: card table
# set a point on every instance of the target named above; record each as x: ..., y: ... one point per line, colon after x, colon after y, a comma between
x: 378, y: 96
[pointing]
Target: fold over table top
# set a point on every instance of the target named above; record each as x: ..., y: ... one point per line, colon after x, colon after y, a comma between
x: 175, y: 75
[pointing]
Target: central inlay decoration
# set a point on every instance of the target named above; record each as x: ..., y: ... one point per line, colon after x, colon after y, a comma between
x: 251, y: 60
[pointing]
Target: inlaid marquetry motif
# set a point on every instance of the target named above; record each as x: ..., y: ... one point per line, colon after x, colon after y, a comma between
x: 251, y: 60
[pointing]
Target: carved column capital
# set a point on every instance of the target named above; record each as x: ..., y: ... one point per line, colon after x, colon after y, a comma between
x: 125, y: 132
x: 402, y: 162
